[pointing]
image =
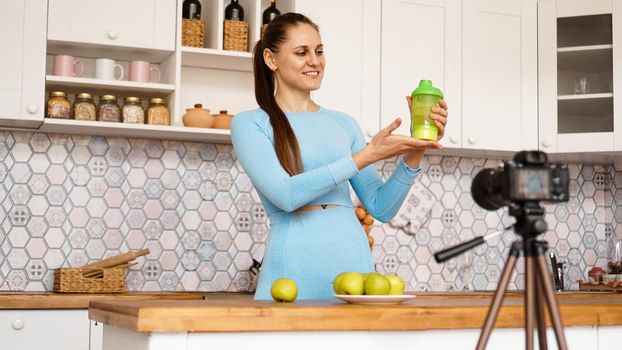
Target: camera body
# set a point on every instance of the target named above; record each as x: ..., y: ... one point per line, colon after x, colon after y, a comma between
x: 528, y: 177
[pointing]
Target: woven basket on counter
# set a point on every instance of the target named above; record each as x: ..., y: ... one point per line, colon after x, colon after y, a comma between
x: 73, y: 280
x: 192, y: 32
x: 236, y: 35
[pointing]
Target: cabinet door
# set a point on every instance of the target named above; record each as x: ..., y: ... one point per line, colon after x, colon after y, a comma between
x: 137, y: 23
x: 342, y: 29
x: 575, y: 40
x: 421, y: 40
x: 22, y: 64
x: 44, y: 329
x: 499, y: 75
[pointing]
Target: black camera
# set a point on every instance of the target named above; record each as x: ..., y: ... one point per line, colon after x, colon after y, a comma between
x: 528, y: 177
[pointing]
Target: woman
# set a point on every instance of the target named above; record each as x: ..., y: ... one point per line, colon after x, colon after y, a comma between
x: 300, y: 157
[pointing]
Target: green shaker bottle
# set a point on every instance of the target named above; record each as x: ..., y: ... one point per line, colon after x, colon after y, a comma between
x: 424, y: 97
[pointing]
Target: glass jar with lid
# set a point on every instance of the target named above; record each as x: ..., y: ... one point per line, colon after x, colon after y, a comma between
x: 58, y: 106
x: 109, y: 110
x: 133, y: 111
x: 84, y: 107
x: 158, y: 113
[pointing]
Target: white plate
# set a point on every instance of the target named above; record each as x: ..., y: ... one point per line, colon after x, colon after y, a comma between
x: 375, y: 299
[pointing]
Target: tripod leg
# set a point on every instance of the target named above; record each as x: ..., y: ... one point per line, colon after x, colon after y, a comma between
x: 530, y: 294
x: 545, y: 279
x: 493, y: 311
x: 540, y: 321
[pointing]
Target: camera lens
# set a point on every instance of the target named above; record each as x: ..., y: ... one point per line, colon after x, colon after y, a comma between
x: 484, y: 191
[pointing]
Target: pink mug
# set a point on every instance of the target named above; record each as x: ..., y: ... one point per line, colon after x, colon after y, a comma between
x: 65, y: 65
x: 140, y: 71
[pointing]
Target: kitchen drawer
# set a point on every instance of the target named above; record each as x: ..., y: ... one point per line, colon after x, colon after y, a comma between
x: 146, y: 24
x: 44, y: 329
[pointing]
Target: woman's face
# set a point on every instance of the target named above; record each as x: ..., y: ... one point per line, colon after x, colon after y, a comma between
x: 300, y: 59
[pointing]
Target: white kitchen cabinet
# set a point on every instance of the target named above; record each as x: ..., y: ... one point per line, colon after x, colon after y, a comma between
x: 421, y: 39
x: 22, y: 63
x: 148, y: 24
x: 350, y: 31
x: 499, y: 75
x: 579, y: 56
x: 44, y: 329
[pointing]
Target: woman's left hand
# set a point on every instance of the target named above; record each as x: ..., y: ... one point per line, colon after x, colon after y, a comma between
x: 438, y: 115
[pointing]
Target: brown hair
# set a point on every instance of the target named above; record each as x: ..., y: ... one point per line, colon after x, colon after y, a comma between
x: 285, y: 142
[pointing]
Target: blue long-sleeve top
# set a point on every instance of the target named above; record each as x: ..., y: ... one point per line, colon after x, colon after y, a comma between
x: 327, y: 141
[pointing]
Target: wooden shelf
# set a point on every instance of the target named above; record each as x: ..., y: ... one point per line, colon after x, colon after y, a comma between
x: 216, y: 59
x: 89, y: 84
x: 584, y: 48
x: 122, y: 53
x: 162, y: 132
x: 584, y: 96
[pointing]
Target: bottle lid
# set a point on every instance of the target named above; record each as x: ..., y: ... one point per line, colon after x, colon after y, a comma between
x: 108, y: 98
x: 224, y: 111
x: 157, y: 100
x: 58, y: 94
x: 132, y: 99
x: 425, y: 88
x: 198, y: 105
x: 84, y: 95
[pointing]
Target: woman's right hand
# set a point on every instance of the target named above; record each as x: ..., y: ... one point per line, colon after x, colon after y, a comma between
x: 386, y: 145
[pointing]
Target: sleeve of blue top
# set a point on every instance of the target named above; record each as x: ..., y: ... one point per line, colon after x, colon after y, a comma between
x: 382, y: 200
x: 258, y: 158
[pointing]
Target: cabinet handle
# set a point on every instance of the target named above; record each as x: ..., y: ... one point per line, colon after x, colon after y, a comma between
x: 547, y: 143
x: 472, y: 140
x: 32, y: 109
x: 371, y: 132
x: 112, y: 34
x: 17, y: 324
x: 453, y: 139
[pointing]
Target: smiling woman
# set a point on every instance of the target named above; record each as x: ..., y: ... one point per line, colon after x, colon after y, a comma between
x: 302, y: 157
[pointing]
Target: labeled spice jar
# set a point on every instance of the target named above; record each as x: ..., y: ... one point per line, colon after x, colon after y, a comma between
x: 58, y: 106
x: 84, y: 107
x: 133, y: 111
x: 158, y: 113
x: 109, y: 110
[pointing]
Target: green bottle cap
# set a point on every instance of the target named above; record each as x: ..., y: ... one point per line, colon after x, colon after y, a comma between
x: 425, y: 88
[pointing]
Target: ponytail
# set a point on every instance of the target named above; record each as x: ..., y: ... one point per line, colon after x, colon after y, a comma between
x: 285, y: 141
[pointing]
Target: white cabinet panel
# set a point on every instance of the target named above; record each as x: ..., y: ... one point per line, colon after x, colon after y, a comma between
x: 44, y: 329
x: 341, y: 27
x: 137, y: 23
x: 22, y: 63
x: 499, y: 81
x: 420, y: 40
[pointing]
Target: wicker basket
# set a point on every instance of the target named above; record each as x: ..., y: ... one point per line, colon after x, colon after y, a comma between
x: 192, y: 32
x: 263, y: 30
x: 72, y: 280
x: 236, y: 35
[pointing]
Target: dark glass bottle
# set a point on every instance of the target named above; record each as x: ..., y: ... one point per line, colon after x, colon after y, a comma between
x: 270, y: 13
x: 191, y: 9
x: 234, y: 11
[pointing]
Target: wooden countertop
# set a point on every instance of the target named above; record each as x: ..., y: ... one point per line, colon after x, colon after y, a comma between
x: 235, y: 313
x: 49, y: 300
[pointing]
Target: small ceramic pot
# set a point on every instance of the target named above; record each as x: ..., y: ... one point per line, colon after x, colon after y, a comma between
x: 222, y: 120
x: 596, y: 274
x: 198, y: 117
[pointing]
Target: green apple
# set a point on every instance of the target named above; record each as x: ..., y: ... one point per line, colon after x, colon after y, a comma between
x: 284, y: 289
x: 397, y: 284
x: 337, y: 283
x: 377, y: 284
x: 352, y: 283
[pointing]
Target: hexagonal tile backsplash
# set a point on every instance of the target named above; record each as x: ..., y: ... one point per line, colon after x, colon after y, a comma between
x: 70, y: 200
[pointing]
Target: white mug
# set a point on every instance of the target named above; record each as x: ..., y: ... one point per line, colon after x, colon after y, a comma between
x: 105, y: 69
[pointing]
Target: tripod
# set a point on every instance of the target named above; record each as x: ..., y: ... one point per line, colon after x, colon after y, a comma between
x: 529, y: 223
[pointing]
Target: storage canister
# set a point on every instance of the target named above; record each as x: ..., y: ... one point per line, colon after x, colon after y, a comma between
x: 58, y: 106
x: 84, y: 107
x: 133, y: 111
